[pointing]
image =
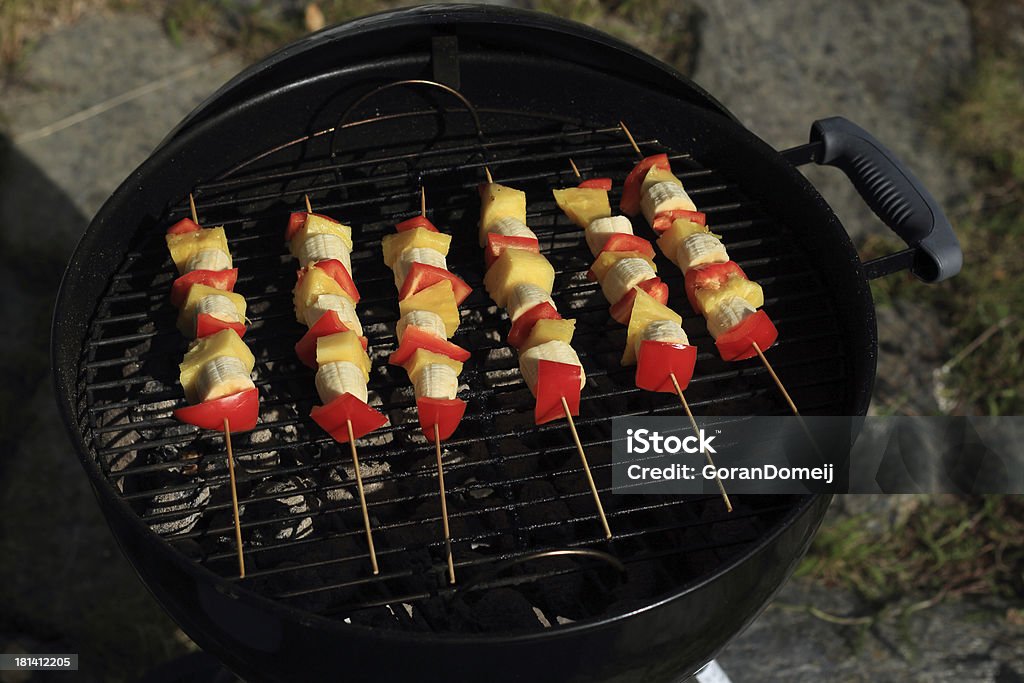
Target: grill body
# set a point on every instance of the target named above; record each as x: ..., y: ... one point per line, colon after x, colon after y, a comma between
x: 114, y: 350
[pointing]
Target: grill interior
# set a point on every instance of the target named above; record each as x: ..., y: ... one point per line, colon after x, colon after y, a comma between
x: 513, y: 488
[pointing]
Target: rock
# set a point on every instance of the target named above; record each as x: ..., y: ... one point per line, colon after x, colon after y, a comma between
x: 887, y: 66
x: 127, y: 83
x: 912, y: 345
x: 955, y: 641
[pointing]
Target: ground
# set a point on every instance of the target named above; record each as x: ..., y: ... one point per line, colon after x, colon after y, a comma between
x: 89, y: 94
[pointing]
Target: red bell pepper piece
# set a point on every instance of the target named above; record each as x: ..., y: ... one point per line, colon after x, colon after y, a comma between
x: 183, y: 226
x: 556, y: 381
x: 206, y: 325
x: 630, y: 203
x: 443, y: 412
x: 738, y: 343
x: 241, y: 410
x: 223, y: 280
x: 663, y: 221
x: 658, y: 361
x: 297, y: 219
x: 711, y: 275
x: 416, y: 338
x: 329, y: 323
x: 523, y: 325
x: 623, y: 308
x: 597, y: 183
x: 422, y: 275
x: 416, y: 222
x: 339, y: 273
x: 497, y: 244
x: 620, y: 241
x: 333, y: 418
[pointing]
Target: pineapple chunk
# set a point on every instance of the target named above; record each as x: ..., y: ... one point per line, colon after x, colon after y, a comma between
x: 607, y: 259
x: 498, y: 201
x: 422, y: 358
x: 583, y: 205
x: 438, y: 298
x: 398, y: 242
x: 184, y: 246
x: 658, y: 175
x: 319, y: 225
x: 710, y: 299
x: 671, y: 239
x: 314, y: 282
x: 517, y: 267
x: 202, y: 351
x: 646, y: 310
x: 196, y: 293
x: 342, y: 347
x: 546, y: 330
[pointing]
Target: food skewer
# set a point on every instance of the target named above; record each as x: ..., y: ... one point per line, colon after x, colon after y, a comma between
x: 325, y: 297
x: 216, y: 369
x: 752, y: 341
x: 428, y: 298
x: 520, y: 280
x: 655, y: 340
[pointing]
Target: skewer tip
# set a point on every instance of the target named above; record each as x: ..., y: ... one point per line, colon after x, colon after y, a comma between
x: 192, y: 207
x: 487, y: 171
x: 309, y: 207
x: 234, y: 499
x: 575, y: 169
x: 423, y: 201
x: 586, y: 470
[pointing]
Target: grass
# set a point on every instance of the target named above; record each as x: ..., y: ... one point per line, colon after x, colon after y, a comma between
x: 949, y: 547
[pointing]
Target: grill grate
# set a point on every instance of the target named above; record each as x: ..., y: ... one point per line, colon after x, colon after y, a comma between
x: 513, y: 488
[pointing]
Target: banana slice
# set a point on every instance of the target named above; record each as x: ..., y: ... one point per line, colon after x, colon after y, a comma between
x: 557, y: 351
x: 219, y: 306
x: 428, y: 321
x: 436, y: 381
x: 728, y: 315
x: 323, y: 246
x: 525, y: 297
x: 511, y: 227
x: 699, y: 249
x: 335, y: 379
x: 222, y: 376
x: 341, y: 305
x: 665, y: 196
x: 601, y: 229
x: 662, y: 331
x: 209, y: 259
x: 626, y: 274
x: 426, y: 255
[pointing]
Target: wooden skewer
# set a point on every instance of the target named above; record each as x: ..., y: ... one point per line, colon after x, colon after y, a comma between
x: 696, y: 430
x: 490, y: 178
x: 632, y: 141
x: 574, y: 168
x: 362, y: 498
x: 586, y: 470
x: 309, y: 207
x: 423, y: 201
x: 444, y: 507
x: 192, y: 205
x: 234, y: 495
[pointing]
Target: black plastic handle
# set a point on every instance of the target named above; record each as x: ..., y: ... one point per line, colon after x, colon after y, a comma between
x: 893, y: 193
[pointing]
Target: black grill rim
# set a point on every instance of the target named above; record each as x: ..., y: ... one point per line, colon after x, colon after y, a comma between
x: 64, y: 379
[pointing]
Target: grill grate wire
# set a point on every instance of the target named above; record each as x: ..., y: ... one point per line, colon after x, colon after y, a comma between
x: 513, y: 488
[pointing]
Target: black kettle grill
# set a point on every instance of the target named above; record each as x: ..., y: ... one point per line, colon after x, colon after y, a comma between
x: 358, y: 117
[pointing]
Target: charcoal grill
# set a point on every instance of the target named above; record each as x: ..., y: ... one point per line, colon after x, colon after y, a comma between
x: 541, y: 593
